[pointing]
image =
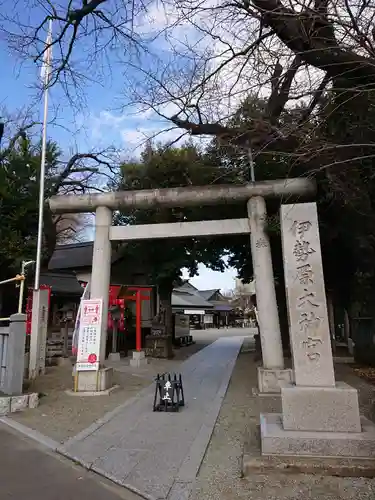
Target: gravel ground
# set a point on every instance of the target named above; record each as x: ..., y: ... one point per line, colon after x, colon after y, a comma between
x: 60, y: 416
x: 220, y: 474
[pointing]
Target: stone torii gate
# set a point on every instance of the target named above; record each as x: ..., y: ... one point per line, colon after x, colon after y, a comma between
x: 273, y: 375
x: 320, y: 416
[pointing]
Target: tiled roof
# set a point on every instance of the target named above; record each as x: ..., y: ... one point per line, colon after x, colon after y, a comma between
x: 207, y: 294
x: 189, y: 296
x: 187, y: 286
x: 184, y: 299
x: 74, y: 256
x: 63, y: 283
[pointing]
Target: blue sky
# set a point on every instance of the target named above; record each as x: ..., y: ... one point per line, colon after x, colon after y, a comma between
x: 96, y: 111
x: 90, y: 118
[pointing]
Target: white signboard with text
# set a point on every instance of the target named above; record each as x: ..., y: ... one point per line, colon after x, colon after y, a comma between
x: 89, y: 335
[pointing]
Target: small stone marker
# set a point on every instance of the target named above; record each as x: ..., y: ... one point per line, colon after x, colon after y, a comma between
x: 304, y: 281
x: 170, y: 392
x: 158, y: 327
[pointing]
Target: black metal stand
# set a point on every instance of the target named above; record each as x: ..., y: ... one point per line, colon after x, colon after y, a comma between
x: 185, y: 341
x: 170, y: 392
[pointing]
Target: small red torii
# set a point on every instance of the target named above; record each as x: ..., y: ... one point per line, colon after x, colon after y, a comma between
x: 121, y: 294
x: 138, y: 297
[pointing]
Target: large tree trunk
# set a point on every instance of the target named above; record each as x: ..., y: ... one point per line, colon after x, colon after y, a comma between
x: 165, y: 296
x: 312, y: 37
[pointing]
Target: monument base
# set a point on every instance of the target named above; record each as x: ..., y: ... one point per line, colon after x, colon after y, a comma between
x: 61, y: 361
x: 275, y: 440
x: 321, y: 409
x: 272, y: 380
x: 139, y: 359
x: 159, y: 346
x: 114, y: 356
x: 253, y: 463
x: 94, y: 381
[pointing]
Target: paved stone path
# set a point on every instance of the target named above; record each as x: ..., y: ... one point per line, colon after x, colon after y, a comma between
x: 159, y: 454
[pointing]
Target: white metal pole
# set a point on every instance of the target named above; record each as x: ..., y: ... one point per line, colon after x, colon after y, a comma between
x: 41, y: 192
x: 251, y: 163
x: 46, y: 71
x: 36, y: 356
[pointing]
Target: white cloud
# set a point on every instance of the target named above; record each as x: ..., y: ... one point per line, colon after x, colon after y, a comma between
x: 185, y: 38
x: 209, y: 37
x: 127, y: 131
x: 105, y: 122
x: 134, y: 139
x: 163, y: 20
x: 179, y: 34
x: 207, y: 34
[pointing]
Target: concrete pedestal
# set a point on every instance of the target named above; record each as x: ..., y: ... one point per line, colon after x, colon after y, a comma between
x: 318, y: 422
x: 93, y: 381
x: 271, y: 381
x: 278, y: 441
x: 323, y: 409
x: 114, y: 356
x: 139, y: 359
x: 61, y: 361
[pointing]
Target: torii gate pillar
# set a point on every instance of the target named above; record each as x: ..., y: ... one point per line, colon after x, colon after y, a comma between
x: 101, y: 269
x: 92, y: 381
x: 272, y: 376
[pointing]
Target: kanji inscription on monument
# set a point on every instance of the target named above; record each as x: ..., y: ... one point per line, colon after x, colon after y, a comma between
x: 304, y: 281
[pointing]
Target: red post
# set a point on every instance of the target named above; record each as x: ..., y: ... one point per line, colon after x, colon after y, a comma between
x: 138, y: 319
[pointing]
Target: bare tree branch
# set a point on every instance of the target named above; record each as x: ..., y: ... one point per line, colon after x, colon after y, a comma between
x: 315, y: 100
x: 311, y: 35
x: 281, y: 89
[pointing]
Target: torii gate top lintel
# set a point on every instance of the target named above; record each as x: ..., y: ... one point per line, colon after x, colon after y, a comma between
x: 183, y: 196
